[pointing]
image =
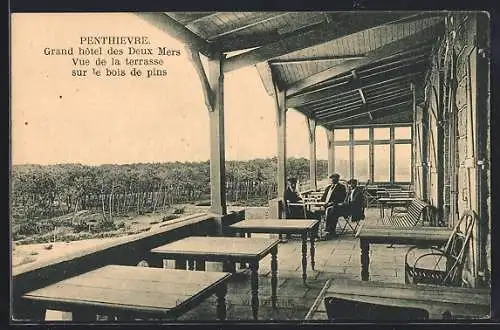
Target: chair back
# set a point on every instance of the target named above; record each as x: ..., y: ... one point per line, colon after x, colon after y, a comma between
x: 340, y: 309
x: 456, y: 247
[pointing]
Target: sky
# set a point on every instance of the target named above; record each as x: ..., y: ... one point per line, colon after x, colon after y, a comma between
x: 57, y: 118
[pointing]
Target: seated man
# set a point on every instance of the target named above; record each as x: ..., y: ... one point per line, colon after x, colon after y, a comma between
x: 334, y: 197
x: 355, y: 204
x: 292, y: 195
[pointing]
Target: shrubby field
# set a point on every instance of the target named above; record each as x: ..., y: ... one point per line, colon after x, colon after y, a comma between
x: 70, y: 202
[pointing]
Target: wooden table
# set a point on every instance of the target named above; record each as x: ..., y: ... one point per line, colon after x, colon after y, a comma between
x: 422, y: 236
x: 305, y: 228
x: 223, y: 249
x: 462, y: 303
x: 394, y: 201
x: 128, y: 292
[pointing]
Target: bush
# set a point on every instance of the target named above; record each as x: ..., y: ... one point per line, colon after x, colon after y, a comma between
x: 179, y: 210
x: 169, y: 217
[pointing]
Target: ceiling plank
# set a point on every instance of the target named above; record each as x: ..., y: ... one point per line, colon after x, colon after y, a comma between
x: 316, y: 59
x: 424, y: 52
x: 296, y: 41
x: 177, y: 30
x: 373, y: 106
x: 311, y: 98
x: 244, y: 27
x: 375, y: 55
x: 399, y: 105
x: 403, y: 118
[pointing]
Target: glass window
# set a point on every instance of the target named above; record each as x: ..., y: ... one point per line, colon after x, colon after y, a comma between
x: 361, y: 134
x: 402, y: 162
x: 381, y: 163
x: 342, y: 161
x: 381, y: 133
x: 402, y: 132
x: 362, y: 163
x: 341, y: 134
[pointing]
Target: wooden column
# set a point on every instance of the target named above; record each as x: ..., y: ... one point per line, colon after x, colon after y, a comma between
x: 331, y: 150
x: 213, y: 90
x: 279, y: 97
x: 311, y: 127
x: 413, y: 134
x: 425, y: 151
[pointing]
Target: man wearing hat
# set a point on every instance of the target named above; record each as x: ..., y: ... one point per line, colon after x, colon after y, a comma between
x: 333, y: 197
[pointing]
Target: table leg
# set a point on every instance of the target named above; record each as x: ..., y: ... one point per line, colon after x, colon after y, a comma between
x: 254, y: 282
x: 229, y: 266
x: 365, y: 259
x: 200, y: 264
x: 274, y: 275
x: 180, y: 263
x: 304, y: 257
x: 83, y: 315
x: 313, y: 248
x: 30, y: 310
x: 221, y: 302
x: 243, y: 265
x: 155, y: 260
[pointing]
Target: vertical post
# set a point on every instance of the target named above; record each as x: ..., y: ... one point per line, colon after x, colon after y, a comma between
x: 311, y: 127
x: 351, y: 154
x: 413, y: 132
x: 331, y: 150
x: 217, y: 143
x: 371, y: 157
x: 392, y: 156
x: 279, y: 97
x: 425, y: 146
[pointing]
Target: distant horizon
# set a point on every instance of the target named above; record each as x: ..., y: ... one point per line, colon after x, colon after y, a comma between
x: 162, y: 162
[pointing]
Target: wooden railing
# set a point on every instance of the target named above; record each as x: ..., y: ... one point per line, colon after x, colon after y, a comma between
x: 127, y: 250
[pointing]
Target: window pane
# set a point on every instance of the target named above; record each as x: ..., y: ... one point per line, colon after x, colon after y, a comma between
x: 381, y: 133
x: 402, y: 132
x: 342, y: 161
x: 361, y: 163
x: 361, y: 134
x: 402, y: 162
x: 381, y: 163
x: 341, y: 134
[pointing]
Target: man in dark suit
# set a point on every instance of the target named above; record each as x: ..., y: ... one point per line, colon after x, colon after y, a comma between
x: 355, y: 204
x: 334, y: 197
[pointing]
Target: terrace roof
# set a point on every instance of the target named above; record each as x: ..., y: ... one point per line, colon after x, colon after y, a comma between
x: 339, y: 68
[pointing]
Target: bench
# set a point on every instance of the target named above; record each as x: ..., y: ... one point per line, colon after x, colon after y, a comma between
x: 409, y: 219
x: 439, y: 302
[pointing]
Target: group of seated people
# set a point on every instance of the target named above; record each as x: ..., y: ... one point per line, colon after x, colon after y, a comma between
x: 338, y: 202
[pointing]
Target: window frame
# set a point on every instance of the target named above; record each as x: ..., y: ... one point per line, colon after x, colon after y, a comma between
x: 372, y: 142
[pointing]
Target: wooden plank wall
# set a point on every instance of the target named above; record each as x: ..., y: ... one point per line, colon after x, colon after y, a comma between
x: 455, y: 181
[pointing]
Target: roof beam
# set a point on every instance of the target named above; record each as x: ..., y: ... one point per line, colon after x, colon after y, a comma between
x: 254, y: 23
x: 392, y: 48
x: 316, y: 59
x: 387, y: 117
x: 372, y: 110
x: 322, y: 33
x: 178, y: 31
x: 200, y: 18
x: 393, y: 65
x: 328, y: 113
x: 328, y: 91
